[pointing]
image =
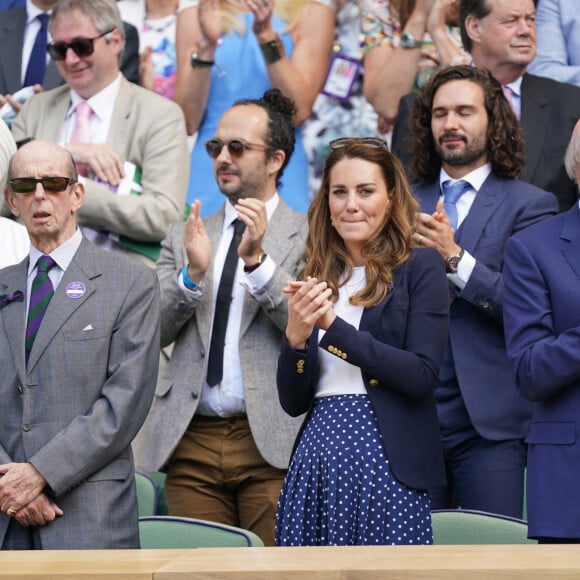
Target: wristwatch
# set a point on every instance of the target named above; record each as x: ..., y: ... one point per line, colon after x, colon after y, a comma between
x: 409, y: 41
x: 261, y: 257
x: 272, y: 51
x: 197, y: 62
x: 452, y: 263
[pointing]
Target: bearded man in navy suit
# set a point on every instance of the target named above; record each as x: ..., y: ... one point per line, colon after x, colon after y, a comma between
x: 465, y: 135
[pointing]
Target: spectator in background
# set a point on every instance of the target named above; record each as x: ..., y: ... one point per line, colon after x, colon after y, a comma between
x: 467, y: 152
x: 237, y: 49
x: 15, y: 242
x: 155, y: 22
x: 23, y: 65
x: 341, y: 108
x: 84, y: 330
x: 558, y: 56
x: 366, y: 333
x: 122, y: 137
x: 404, y: 43
x: 500, y: 35
x: 542, y: 322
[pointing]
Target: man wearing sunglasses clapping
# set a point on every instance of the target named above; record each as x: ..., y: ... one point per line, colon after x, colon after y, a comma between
x: 216, y: 423
x: 114, y: 129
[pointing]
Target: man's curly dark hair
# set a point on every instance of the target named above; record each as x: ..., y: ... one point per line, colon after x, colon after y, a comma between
x: 281, y: 132
x: 505, y: 144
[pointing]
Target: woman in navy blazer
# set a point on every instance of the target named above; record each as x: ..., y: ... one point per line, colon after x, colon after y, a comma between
x: 366, y: 334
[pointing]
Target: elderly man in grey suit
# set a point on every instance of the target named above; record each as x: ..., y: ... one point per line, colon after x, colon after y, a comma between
x: 112, y: 128
x: 216, y: 424
x: 79, y: 337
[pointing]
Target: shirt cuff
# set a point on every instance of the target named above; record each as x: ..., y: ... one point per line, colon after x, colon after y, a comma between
x: 195, y: 292
x: 259, y: 278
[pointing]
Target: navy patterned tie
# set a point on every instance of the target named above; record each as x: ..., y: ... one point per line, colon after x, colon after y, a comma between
x: 215, y: 365
x: 40, y: 295
x: 37, y: 62
x: 451, y: 194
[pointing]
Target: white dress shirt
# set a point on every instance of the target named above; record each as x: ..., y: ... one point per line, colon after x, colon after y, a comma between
x: 227, y: 398
x: 476, y: 179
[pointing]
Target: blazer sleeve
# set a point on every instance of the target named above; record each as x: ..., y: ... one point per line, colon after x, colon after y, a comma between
x: 544, y: 362
x: 93, y: 440
x: 485, y: 287
x: 403, y: 351
x: 411, y: 366
x: 558, y: 42
x: 177, y: 306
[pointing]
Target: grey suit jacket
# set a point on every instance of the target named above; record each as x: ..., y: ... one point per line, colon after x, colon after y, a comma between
x: 74, y: 409
x: 187, y: 321
x: 147, y: 130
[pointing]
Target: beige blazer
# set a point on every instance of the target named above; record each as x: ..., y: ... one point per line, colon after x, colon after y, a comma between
x: 147, y: 130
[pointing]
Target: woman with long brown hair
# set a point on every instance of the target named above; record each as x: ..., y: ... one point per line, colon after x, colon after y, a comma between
x: 366, y: 333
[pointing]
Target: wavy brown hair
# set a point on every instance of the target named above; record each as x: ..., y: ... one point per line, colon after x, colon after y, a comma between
x: 326, y: 255
x: 505, y: 143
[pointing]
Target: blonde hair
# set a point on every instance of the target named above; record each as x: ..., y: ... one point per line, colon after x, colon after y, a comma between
x: 287, y: 10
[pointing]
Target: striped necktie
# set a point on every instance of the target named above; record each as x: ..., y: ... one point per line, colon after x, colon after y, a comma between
x: 40, y: 295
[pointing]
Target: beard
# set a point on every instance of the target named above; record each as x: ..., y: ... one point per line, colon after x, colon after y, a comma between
x: 473, y: 150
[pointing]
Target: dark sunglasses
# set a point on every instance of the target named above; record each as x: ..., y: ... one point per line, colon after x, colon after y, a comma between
x: 27, y: 185
x: 236, y: 147
x: 369, y: 141
x: 81, y: 47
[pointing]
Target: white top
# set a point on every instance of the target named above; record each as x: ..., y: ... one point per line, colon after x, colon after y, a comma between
x: 337, y: 376
x: 14, y: 242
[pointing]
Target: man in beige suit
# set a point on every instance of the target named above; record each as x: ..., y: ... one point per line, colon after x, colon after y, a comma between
x: 123, y: 123
x: 216, y: 423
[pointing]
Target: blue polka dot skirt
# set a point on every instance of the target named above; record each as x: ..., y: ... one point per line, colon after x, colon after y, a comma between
x: 339, y: 489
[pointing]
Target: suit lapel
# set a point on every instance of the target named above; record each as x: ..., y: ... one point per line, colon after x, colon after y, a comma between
x: 14, y: 315
x: 277, y: 246
x: 204, y: 316
x: 83, y: 269
x: 571, y: 239
x: 486, y: 201
x: 119, y: 138
x: 535, y: 120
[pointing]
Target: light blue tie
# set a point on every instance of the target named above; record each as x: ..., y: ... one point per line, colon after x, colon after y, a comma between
x: 451, y: 193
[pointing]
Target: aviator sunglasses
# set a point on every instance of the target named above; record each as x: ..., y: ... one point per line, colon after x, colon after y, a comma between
x: 369, y: 141
x: 236, y: 147
x: 27, y: 185
x: 81, y: 47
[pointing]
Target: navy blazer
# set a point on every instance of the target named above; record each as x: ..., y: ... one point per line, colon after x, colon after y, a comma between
x: 549, y: 112
x: 542, y: 327
x: 12, y: 25
x: 399, y: 347
x: 501, y: 207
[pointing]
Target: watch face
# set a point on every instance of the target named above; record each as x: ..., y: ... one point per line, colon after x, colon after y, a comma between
x: 409, y: 41
x: 453, y: 264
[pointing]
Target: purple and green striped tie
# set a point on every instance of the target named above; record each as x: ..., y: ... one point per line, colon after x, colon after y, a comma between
x: 40, y: 295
